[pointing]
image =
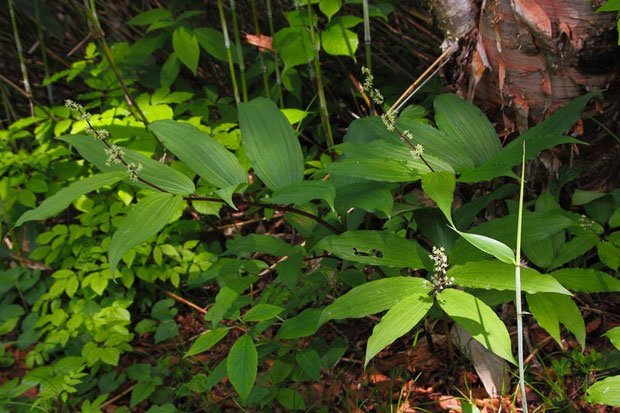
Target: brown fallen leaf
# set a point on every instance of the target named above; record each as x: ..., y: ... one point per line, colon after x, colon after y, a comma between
x: 260, y: 40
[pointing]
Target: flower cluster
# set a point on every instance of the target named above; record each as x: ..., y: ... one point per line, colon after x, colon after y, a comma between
x: 440, y: 280
x: 417, y: 150
x: 388, y: 119
x: 101, y: 134
x: 74, y: 106
x: 133, y: 169
x: 375, y: 94
x: 115, y: 155
x: 585, y: 222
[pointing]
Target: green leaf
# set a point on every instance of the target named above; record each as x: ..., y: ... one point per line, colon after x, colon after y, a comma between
x: 165, y: 330
x: 264, y: 243
x: 439, y: 186
x: 374, y: 297
x: 610, y: 5
x: 226, y: 296
x: 157, y: 173
x: 270, y: 143
x: 304, y: 192
x: 330, y: 7
x: 150, y: 16
x: 609, y: 254
x: 467, y: 126
x: 63, y: 198
x: 614, y: 336
x: 373, y: 169
x: 146, y: 219
x: 497, y: 275
x: 186, y: 48
x: 542, y: 136
x: 397, y: 322
x: 212, y: 41
x: 203, y: 154
x: 262, y: 312
x: 338, y: 41
x: 207, y: 340
x: 478, y: 319
x: 242, y: 364
x: 169, y: 71
x: 141, y: 392
x: 574, y: 248
x: 374, y: 248
x: 550, y: 310
x: 303, y: 324
x: 606, y: 391
x: 294, y: 45
x: 369, y: 196
x: 588, y: 280
x: 291, y: 399
x: 581, y: 197
x: 310, y: 363
x: 614, y: 220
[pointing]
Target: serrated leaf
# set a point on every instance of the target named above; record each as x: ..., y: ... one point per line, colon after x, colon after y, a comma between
x: 397, y: 322
x: 271, y: 145
x: 242, y: 364
x: 375, y: 248
x: 478, y: 319
x: 294, y: 45
x: 63, y: 198
x: 146, y: 219
x: 203, y: 154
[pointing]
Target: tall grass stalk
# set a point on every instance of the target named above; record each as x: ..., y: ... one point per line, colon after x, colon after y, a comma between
x: 46, y: 71
x: 263, y: 68
x: 518, y: 289
x: 319, y: 82
x: 20, y: 54
x: 276, y: 58
x: 231, y: 65
x: 244, y: 87
x: 97, y: 34
x: 367, y: 40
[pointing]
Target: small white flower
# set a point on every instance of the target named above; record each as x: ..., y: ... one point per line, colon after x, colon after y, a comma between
x: 71, y: 105
x: 133, y: 169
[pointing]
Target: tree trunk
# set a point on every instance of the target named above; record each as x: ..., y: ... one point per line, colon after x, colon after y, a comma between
x: 521, y: 59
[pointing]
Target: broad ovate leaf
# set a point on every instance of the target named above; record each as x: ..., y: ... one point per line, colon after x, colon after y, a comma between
x: 271, y: 145
x: 145, y: 219
x: 242, y: 365
x: 202, y: 153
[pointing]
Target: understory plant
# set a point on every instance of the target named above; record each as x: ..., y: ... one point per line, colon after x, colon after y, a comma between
x: 122, y: 208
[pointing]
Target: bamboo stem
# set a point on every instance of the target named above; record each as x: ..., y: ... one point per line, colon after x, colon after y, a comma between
x: 231, y: 66
x: 263, y: 67
x: 319, y: 81
x: 275, y: 56
x: 20, y: 54
x: 244, y: 86
x: 518, y: 289
x: 46, y: 71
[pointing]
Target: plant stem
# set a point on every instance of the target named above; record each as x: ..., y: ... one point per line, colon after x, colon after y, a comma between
x: 98, y: 34
x: 518, y: 289
x: 46, y: 71
x: 275, y: 56
x: 27, y: 96
x: 319, y: 81
x: 244, y: 87
x: 20, y: 54
x: 367, y: 39
x: 260, y: 54
x: 231, y: 65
